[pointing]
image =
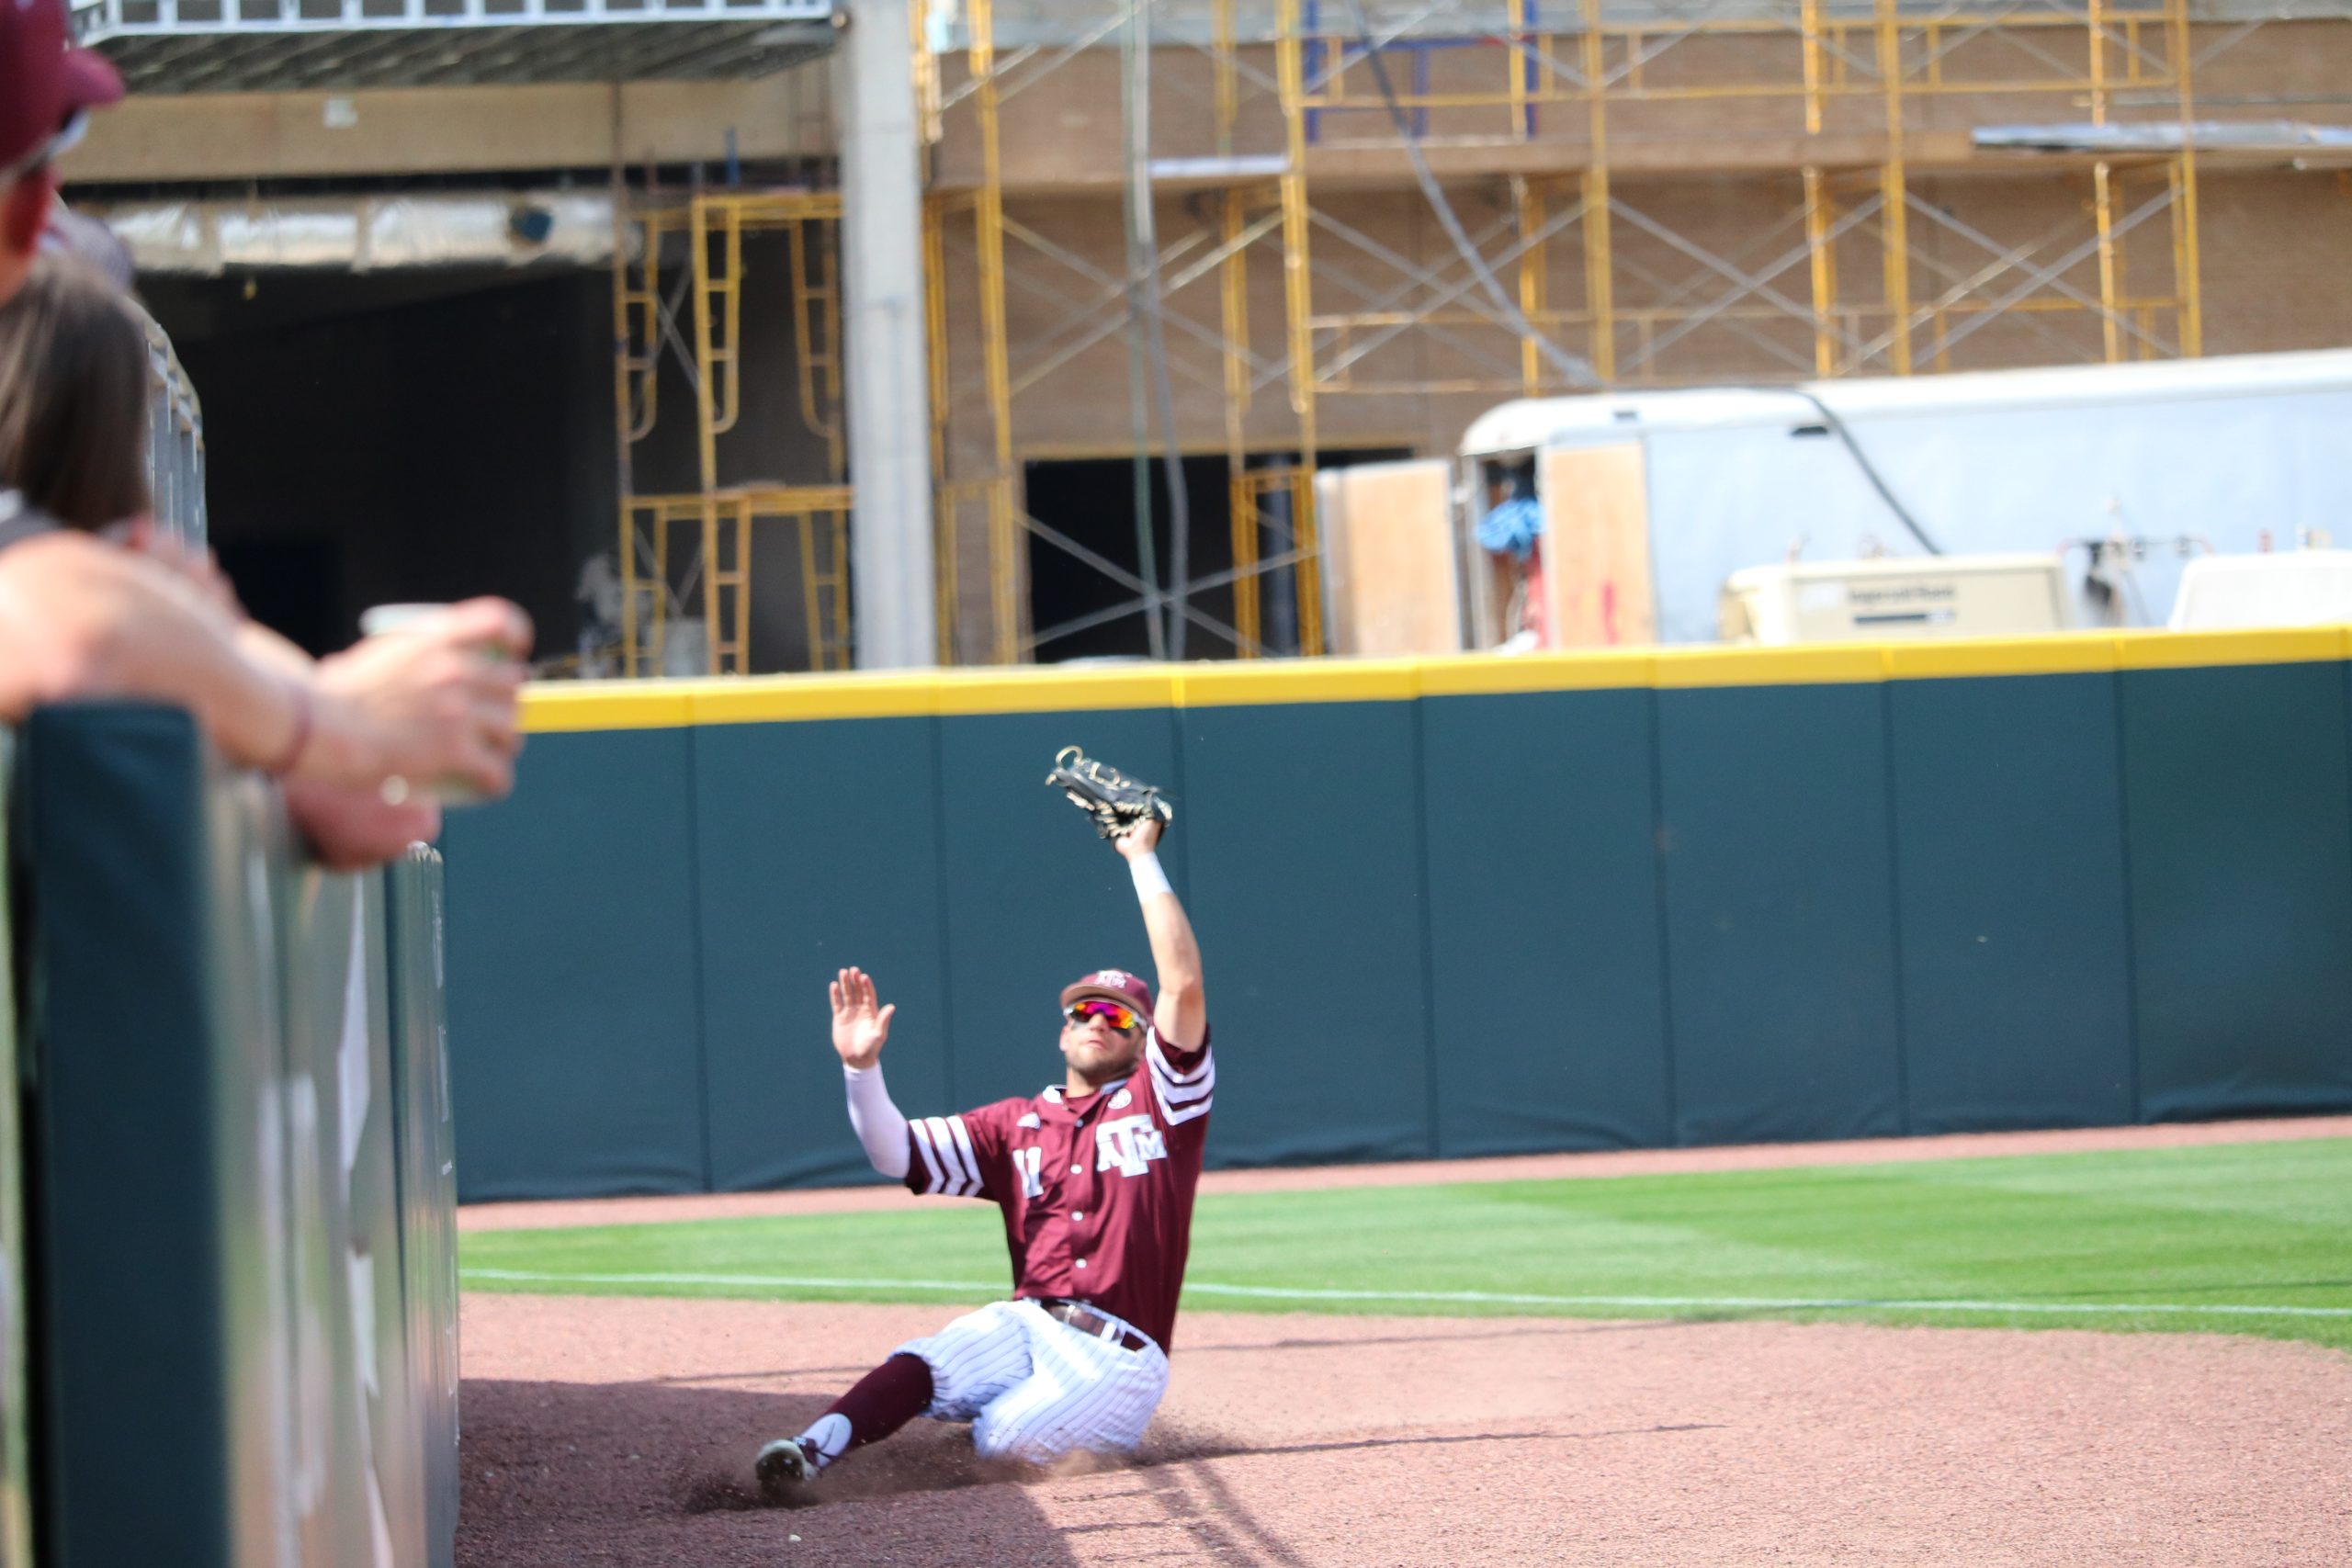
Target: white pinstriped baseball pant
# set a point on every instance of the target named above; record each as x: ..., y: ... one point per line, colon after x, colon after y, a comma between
x: 1034, y: 1388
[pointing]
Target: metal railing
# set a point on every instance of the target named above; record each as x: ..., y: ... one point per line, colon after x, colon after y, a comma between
x: 174, y: 439
x: 98, y: 20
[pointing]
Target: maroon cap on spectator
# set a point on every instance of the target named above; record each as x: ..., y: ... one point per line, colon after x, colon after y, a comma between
x: 43, y: 79
x: 1111, y: 984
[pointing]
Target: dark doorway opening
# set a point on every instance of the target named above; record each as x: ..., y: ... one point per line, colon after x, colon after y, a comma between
x: 404, y: 436
x: 1078, y: 611
x: 291, y: 585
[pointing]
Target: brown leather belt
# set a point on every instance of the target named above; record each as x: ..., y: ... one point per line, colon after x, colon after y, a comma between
x: 1078, y: 1315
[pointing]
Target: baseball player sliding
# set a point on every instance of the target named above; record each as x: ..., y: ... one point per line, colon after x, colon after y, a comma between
x: 1095, y: 1177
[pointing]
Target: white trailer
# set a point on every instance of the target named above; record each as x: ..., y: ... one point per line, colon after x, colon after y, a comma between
x: 1653, y: 499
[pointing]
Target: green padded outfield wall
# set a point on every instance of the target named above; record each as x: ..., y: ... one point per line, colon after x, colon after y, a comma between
x: 581, y: 969
x: 2010, y: 902
x: 781, y: 914
x: 1302, y: 838
x: 2241, y: 919
x: 1781, y: 948
x: 1449, y: 906
x: 1546, y: 948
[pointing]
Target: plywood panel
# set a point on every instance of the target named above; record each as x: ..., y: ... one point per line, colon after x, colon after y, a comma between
x: 1389, y: 554
x: 1597, y: 547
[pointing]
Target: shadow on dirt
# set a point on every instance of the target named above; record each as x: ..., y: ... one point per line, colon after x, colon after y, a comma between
x: 640, y: 1475
x: 649, y: 1474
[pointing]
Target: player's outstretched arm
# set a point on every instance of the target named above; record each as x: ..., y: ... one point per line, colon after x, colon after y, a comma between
x: 1181, y: 1018
x: 861, y: 1028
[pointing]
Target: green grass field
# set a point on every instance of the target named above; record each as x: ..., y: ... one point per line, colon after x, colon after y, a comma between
x: 2249, y: 1238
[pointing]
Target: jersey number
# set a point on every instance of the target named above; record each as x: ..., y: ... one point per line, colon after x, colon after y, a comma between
x: 1029, y: 1163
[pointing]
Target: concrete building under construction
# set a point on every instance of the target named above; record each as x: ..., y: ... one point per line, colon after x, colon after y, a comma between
x: 738, y: 335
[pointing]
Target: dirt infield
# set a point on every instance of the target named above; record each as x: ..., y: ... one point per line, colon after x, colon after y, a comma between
x: 621, y: 1432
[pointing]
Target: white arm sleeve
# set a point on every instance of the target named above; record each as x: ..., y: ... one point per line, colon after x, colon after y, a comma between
x: 877, y: 1122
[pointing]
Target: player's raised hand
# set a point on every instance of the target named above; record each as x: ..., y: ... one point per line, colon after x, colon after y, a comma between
x: 1139, y: 841
x: 860, y: 1027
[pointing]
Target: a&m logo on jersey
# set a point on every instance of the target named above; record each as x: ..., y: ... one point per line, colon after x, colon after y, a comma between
x: 1129, y: 1144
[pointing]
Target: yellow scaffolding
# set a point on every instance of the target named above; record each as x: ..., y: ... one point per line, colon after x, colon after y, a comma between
x: 725, y: 519
x: 1886, y: 243
x: 2065, y: 53
x: 1251, y: 488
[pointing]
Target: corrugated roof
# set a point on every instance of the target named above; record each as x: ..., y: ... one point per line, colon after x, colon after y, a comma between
x: 199, y: 46
x: 1525, y: 424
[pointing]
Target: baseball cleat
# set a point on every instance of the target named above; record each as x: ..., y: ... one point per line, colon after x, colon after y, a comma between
x: 783, y: 1463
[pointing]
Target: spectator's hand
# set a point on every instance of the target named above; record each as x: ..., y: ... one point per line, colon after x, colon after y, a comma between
x: 434, y: 701
x: 351, y: 828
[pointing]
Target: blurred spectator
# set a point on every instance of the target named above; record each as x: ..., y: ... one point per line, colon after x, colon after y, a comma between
x: 73, y: 397
x: 92, y: 243
x: 47, y: 91
x: 1511, y: 532
x: 81, y: 616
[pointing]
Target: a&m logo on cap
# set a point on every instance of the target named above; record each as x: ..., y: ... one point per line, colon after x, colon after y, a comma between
x: 1110, y: 978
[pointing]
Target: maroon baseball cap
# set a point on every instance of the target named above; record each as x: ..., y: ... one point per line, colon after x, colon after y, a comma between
x: 1110, y: 985
x: 44, y: 80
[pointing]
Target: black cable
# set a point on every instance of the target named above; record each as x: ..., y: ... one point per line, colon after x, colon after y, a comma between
x: 1853, y: 449
x: 1566, y: 364
x: 1575, y: 369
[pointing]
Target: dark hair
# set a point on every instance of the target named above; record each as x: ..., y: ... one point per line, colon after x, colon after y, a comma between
x: 74, y: 397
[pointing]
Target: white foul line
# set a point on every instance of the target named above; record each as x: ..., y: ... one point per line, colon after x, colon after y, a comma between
x: 1466, y: 1298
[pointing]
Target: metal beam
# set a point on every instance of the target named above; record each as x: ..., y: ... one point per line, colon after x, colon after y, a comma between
x: 884, y: 327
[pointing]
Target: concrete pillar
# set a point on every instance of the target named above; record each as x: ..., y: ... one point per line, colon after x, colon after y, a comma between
x: 882, y: 320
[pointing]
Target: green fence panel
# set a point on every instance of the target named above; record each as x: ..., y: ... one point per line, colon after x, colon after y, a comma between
x: 575, y: 973
x: 129, y: 1259
x: 425, y: 1168
x: 2017, y: 973
x: 2240, y: 835
x: 15, y: 1394
x: 219, y: 1241
x: 1547, y: 976
x: 1033, y: 897
x: 817, y: 848
x: 1780, y: 919
x: 1308, y: 893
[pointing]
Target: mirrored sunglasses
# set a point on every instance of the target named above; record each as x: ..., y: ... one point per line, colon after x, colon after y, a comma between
x: 1122, y: 1018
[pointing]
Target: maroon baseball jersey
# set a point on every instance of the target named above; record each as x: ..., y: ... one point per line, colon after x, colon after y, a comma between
x: 1096, y: 1189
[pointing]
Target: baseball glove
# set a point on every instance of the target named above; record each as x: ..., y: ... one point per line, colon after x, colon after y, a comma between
x: 1115, y: 801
